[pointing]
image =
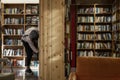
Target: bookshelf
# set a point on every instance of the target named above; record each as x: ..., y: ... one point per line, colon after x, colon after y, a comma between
x: 116, y: 27
x: 67, y: 39
x: 16, y: 18
x: 67, y: 49
x: 94, y: 33
x: 31, y: 15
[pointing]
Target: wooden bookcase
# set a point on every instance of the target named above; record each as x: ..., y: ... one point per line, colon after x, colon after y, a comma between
x: 95, y: 29
x: 67, y: 48
x: 94, y: 33
x: 16, y: 18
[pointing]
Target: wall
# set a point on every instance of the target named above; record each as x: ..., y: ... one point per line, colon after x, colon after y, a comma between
x: 20, y: 1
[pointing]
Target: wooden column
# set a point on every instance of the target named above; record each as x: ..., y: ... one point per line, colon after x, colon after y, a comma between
x: 73, y: 37
x: 52, y: 39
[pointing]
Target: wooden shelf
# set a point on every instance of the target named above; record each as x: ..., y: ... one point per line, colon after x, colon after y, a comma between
x: 85, y: 23
x: 83, y: 14
x: 14, y: 22
x: 13, y: 15
x: 85, y: 41
x: 12, y: 47
x: 104, y: 5
x: 104, y: 14
x: 85, y: 32
x: 12, y: 36
x: 14, y: 57
x: 103, y: 49
x: 103, y: 40
x: 31, y: 24
x: 82, y: 49
x: 32, y: 14
x: 103, y: 31
x: 22, y: 67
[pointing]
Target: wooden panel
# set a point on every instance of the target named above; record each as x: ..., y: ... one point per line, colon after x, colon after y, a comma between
x: 73, y: 37
x: 51, y: 40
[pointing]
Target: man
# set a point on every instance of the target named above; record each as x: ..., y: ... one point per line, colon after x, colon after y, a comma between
x: 30, y: 42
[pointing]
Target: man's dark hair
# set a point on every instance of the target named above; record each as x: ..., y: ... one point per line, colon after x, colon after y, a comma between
x: 34, y: 35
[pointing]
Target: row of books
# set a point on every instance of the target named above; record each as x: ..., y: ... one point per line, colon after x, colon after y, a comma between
x: 85, y: 10
x: 117, y: 36
x: 103, y: 10
x: 67, y: 56
x: 67, y: 69
x: 19, y: 63
x: 20, y: 73
x: 93, y: 10
x: 97, y: 45
x: 92, y: 19
x: 116, y: 27
x: 103, y: 36
x: 103, y: 19
x: 12, y: 52
x: 29, y: 20
x: 32, y: 9
x: 93, y: 28
x: 10, y: 31
x: 85, y: 53
x: 117, y: 54
x: 114, y: 17
x: 116, y: 7
x: 85, y: 19
x: 16, y: 42
x: 32, y: 20
x: 117, y: 47
x: 13, y: 11
x: 91, y: 53
x: 14, y: 21
x: 85, y: 37
x: 85, y: 28
x: 15, y: 62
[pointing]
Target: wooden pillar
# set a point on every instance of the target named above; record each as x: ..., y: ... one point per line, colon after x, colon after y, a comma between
x: 52, y: 39
x: 73, y: 37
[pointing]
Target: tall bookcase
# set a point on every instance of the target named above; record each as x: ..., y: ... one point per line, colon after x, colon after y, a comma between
x: 16, y: 18
x: 95, y: 29
x: 67, y: 48
x: 94, y: 33
x: 67, y: 39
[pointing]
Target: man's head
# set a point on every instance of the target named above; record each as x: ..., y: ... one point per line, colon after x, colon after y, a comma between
x: 34, y: 35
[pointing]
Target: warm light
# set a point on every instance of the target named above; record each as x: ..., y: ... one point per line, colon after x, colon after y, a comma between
x: 55, y: 58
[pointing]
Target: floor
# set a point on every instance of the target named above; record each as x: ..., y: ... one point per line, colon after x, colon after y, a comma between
x: 20, y: 74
